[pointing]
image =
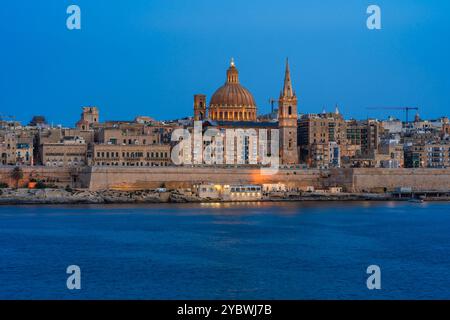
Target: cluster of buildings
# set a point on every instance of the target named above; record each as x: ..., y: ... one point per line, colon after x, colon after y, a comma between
x: 141, y: 142
x: 328, y: 140
x: 322, y: 140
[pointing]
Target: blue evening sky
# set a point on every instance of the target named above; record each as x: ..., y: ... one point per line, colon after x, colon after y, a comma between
x: 148, y: 57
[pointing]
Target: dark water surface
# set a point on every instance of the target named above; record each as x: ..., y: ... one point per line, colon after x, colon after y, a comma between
x: 226, y: 251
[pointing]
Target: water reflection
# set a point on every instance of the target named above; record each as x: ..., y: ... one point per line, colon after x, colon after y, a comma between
x: 263, y: 250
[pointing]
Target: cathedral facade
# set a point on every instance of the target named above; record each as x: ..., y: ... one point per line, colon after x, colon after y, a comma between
x: 233, y: 106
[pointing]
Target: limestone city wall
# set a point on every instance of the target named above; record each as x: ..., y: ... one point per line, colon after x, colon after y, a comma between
x: 58, y: 176
x: 381, y: 180
x: 126, y: 178
x: 184, y: 177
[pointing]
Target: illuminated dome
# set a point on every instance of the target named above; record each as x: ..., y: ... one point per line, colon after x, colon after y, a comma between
x: 232, y: 102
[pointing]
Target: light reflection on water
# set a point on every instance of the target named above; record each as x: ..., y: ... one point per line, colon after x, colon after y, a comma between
x: 261, y: 250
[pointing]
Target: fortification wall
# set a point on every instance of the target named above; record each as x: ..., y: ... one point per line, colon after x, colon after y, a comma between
x: 381, y: 180
x: 339, y: 178
x: 126, y: 178
x: 184, y: 177
x: 58, y: 176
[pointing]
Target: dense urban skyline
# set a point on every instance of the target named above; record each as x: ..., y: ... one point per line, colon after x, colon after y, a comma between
x: 177, y: 150
x: 151, y: 58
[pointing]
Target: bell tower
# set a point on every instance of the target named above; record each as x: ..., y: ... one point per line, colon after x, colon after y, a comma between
x: 287, y: 121
x: 200, y: 107
x: 89, y: 118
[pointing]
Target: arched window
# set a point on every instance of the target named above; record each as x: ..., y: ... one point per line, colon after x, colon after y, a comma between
x: 290, y: 110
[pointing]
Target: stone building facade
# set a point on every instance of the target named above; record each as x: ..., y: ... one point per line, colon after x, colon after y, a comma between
x: 70, y: 152
x: 16, y: 148
x: 428, y: 155
x: 321, y: 138
x: 365, y: 134
x: 131, y: 155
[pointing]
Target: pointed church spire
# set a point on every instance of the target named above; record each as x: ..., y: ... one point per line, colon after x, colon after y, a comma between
x: 287, y: 88
x: 336, y: 110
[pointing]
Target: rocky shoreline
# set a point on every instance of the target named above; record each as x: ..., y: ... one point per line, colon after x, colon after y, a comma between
x: 82, y: 196
x: 62, y: 196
